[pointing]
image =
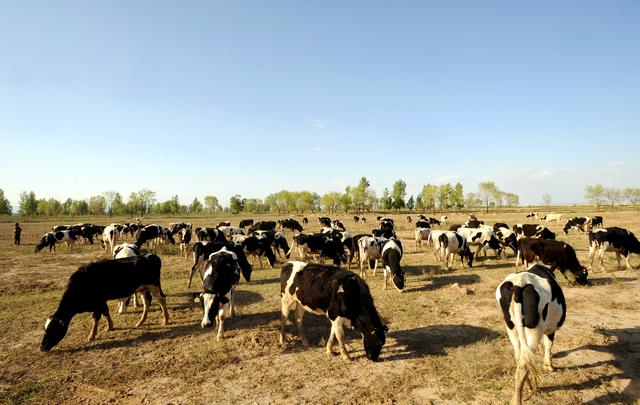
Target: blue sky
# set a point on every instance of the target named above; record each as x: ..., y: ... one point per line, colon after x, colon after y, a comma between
x: 198, y: 97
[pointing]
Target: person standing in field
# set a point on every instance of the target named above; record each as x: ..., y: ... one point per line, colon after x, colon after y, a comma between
x: 16, y: 235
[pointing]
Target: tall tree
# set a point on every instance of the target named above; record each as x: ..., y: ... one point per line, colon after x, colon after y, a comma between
x: 487, y: 192
x: 511, y: 199
x: 428, y: 196
x: 411, y: 203
x: 386, y: 200
x: 445, y: 192
x: 28, y: 205
x: 5, y: 205
x: 359, y: 194
x: 147, y: 199
x: 195, y: 207
x: 546, y: 199
x: 457, y: 196
x: 97, y: 205
x: 398, y: 194
x: 594, y: 194
x: 212, y: 204
x: 330, y: 201
x: 371, y: 201
x: 236, y: 204
x: 613, y: 195
x: 109, y: 198
x: 632, y: 195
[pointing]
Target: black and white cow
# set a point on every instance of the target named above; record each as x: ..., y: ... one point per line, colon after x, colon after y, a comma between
x: 507, y: 238
x: 290, y: 224
x: 151, y: 233
x: 110, y: 236
x: 258, y: 247
x: 483, y: 238
x: 210, y: 235
x: 533, y: 308
x: 246, y: 223
x: 324, y: 221
x: 120, y: 252
x: 391, y: 256
x: 420, y: 235
x: 363, y: 220
x: 444, y: 220
x: 263, y: 226
x: 175, y: 227
x: 93, y: 284
x: 305, y: 221
x: 422, y: 223
x: 340, y: 295
x: 229, y: 231
x: 220, y: 278
x: 50, y: 239
x: 473, y: 223
x: 322, y: 246
x: 202, y: 251
x: 451, y: 243
x: 581, y: 223
x: 613, y: 239
x: 185, y: 240
x: 433, y: 221
x: 533, y: 231
x: 552, y: 217
x: 557, y: 254
x: 338, y: 225
x: 533, y: 215
x: 597, y: 221
x: 370, y: 251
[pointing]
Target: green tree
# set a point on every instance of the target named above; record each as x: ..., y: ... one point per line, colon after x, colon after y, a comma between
x: 398, y: 194
x: 428, y: 196
x: 211, y: 203
x: 371, y: 200
x: 118, y: 207
x: 346, y: 202
x: 147, y: 199
x: 359, y: 195
x: 5, y: 205
x: 411, y: 203
x: 419, y: 203
x: 195, y: 207
x: 386, y: 200
x: 473, y: 200
x: 511, y: 199
x: 595, y: 194
x: 28, y: 204
x: 488, y: 192
x: 445, y: 192
x: 613, y: 195
x: 456, y: 197
x: 330, y: 201
x: 79, y: 207
x: 236, y: 204
x: 632, y: 195
x: 97, y: 205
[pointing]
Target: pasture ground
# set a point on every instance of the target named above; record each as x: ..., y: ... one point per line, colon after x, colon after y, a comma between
x: 446, y: 341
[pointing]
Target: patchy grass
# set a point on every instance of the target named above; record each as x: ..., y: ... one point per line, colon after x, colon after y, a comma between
x: 446, y: 343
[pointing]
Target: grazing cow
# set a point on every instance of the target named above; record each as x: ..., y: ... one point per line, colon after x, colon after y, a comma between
x: 254, y: 246
x: 422, y: 223
x: 356, y: 219
x: 229, y: 231
x: 533, y: 231
x: 363, y: 220
x: 223, y: 223
x: 305, y: 221
x: 433, y: 221
x: 263, y: 226
x: 444, y: 220
x: 280, y: 243
x: 533, y: 308
x: 556, y: 254
x: 210, y: 235
x: 613, y: 239
x: 324, y: 246
x: 154, y: 232
x: 58, y: 228
x: 175, y: 227
x: 89, y: 231
x: 581, y: 223
x: 185, y: 239
x: 370, y: 251
x: 337, y: 224
x: 50, y: 239
x: 220, y: 278
x: 353, y: 249
x: 533, y: 215
x: 552, y: 217
x: 409, y: 218
x: 202, y: 251
x: 391, y: 256
x: 120, y: 252
x: 343, y: 237
x: 245, y: 223
x: 324, y: 221
x: 290, y: 224
x: 93, y: 284
x: 420, y: 235
x: 483, y: 238
x: 597, y: 221
x: 473, y: 223
x: 451, y: 243
x: 340, y: 295
x: 422, y: 216
x: 383, y: 233
x: 110, y: 237
x: 499, y: 225
x: 507, y: 238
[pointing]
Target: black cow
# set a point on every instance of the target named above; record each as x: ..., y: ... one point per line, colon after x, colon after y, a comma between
x: 337, y: 224
x: 383, y: 233
x: 422, y: 223
x: 433, y: 221
x: 151, y: 232
x: 210, y: 235
x: 92, y: 285
x: 325, y: 246
x: 259, y: 247
x: 597, y: 222
x: 305, y: 221
x: 324, y: 221
x: 356, y: 219
x: 263, y: 226
x: 556, y: 254
x: 473, y: 223
x: 290, y: 224
x: 245, y: 223
x: 223, y: 223
x: 340, y: 295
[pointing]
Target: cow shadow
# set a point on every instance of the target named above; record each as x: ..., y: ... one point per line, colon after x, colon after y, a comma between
x: 621, y: 344
x: 447, y: 280
x: 421, y: 270
x: 607, y: 280
x: 266, y: 281
x: 434, y: 340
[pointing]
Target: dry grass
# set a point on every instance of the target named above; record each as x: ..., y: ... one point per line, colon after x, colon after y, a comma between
x: 443, y: 346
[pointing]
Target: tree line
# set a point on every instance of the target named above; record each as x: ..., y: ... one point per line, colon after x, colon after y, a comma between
x: 598, y: 195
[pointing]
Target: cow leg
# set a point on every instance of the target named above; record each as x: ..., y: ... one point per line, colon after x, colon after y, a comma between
x: 232, y: 310
x: 337, y: 327
x: 220, y: 320
x: 547, y: 341
x: 592, y: 255
x: 299, y: 316
x: 626, y: 258
x: 105, y: 312
x: 94, y: 327
x: 146, y: 302
x: 618, y: 259
x: 332, y: 336
x: 386, y: 271
x: 363, y: 272
x: 375, y: 266
x: 135, y: 300
x: 122, y: 306
x: 601, y: 257
x: 521, y: 377
x: 156, y: 292
x: 284, y: 315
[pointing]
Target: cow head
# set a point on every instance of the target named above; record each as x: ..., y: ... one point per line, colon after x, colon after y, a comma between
x: 467, y: 254
x: 55, y: 329
x: 46, y: 240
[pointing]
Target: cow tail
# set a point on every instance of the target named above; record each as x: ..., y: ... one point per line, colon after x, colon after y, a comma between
x: 294, y: 244
x: 526, y: 359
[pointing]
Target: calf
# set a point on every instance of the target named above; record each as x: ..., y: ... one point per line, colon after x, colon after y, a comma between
x: 451, y: 243
x: 202, y: 251
x: 370, y: 251
x: 533, y: 308
x: 577, y: 222
x: 533, y: 231
x: 50, y: 239
x: 420, y: 235
x: 340, y: 295
x: 92, y: 285
x: 391, y: 256
x: 613, y: 239
x: 221, y: 276
x: 558, y: 255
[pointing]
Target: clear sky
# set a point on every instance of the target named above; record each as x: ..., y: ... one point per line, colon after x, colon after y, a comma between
x: 251, y: 97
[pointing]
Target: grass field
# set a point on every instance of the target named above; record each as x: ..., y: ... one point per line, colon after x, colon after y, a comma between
x: 446, y: 341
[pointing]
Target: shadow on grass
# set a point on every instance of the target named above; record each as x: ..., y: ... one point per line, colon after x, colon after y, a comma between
x: 610, y: 280
x: 625, y: 358
x: 444, y: 281
x: 266, y: 281
x: 434, y: 340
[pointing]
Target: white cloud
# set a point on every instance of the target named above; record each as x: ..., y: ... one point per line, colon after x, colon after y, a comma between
x: 613, y: 165
x: 319, y: 149
x: 318, y: 123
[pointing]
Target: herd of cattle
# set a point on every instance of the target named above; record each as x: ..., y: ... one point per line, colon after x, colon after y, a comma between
x: 531, y: 300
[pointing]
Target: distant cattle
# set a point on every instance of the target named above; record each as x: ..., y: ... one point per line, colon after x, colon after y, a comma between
x: 363, y: 220
x: 50, y: 239
x: 533, y: 215
x: 152, y: 233
x: 340, y: 295
x: 259, y: 247
x: 421, y: 223
x: 337, y: 224
x: 223, y: 223
x: 305, y: 221
x: 581, y: 223
x: 209, y: 235
x: 175, y: 227
x: 597, y: 222
x: 324, y: 221
x: 552, y: 217
x: 613, y: 239
x: 556, y: 254
x: 290, y: 224
x: 533, y: 308
x: 409, y: 218
x: 433, y: 221
x: 264, y: 226
x: 245, y: 223
x: 444, y: 220
x: 229, y: 231
x: 185, y: 239
x: 473, y: 223
x: 356, y: 219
